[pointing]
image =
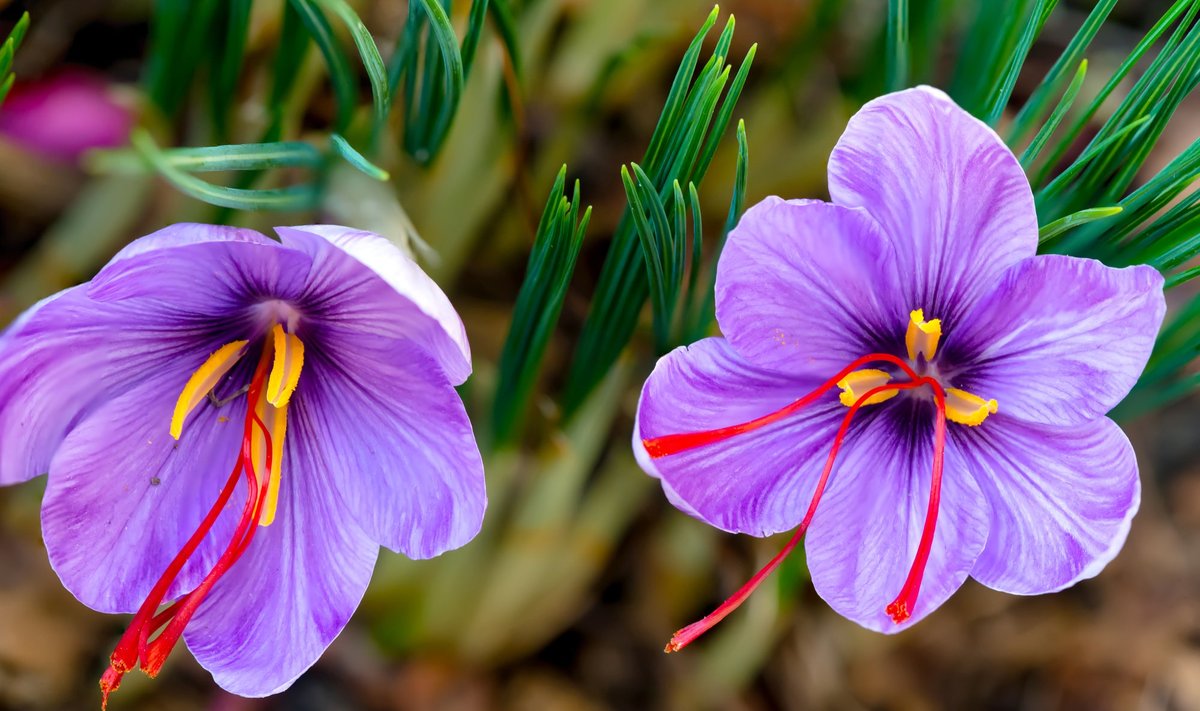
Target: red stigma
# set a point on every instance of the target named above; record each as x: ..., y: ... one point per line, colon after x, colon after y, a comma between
x: 135, y: 644
x: 901, y: 608
x: 670, y: 444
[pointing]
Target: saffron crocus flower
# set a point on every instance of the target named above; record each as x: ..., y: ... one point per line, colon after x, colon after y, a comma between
x: 64, y: 115
x: 902, y: 372
x: 232, y: 426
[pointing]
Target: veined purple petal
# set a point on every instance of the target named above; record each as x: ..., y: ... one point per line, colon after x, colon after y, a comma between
x: 1062, y: 499
x: 759, y: 482
x: 868, y: 526
x: 203, y: 281
x: 123, y: 496
x: 1060, y: 339
x: 185, y: 233
x: 946, y: 190
x: 395, y: 441
x: 806, y: 287
x: 391, y: 297
x: 154, y: 306
x: 277, y: 609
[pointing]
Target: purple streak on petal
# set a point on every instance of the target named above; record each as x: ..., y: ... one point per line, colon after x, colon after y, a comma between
x: 64, y: 115
x: 123, y: 496
x: 185, y: 233
x: 277, y: 609
x: 203, y: 281
x: 868, y: 526
x: 391, y: 297
x: 1060, y: 339
x: 171, y: 298
x: 395, y: 441
x: 759, y: 482
x: 947, y: 191
x: 1062, y: 500
x: 70, y: 354
x: 805, y: 287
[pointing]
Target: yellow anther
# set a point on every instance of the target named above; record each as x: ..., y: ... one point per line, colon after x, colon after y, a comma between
x: 285, y: 371
x: 859, y: 382
x: 922, y: 336
x: 275, y: 418
x: 967, y: 409
x: 203, y: 381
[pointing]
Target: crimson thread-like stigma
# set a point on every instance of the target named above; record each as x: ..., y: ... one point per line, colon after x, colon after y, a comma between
x: 675, y: 443
x: 135, y: 644
x: 901, y: 608
x: 688, y: 634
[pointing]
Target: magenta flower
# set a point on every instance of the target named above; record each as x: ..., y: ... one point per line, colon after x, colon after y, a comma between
x: 312, y: 381
x: 969, y: 436
x: 64, y: 115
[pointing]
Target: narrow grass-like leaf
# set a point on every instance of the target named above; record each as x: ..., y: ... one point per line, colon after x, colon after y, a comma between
x: 539, y: 303
x: 5, y: 86
x: 502, y: 15
x: 1038, y: 104
x: 1056, y: 186
x: 289, y: 56
x: 356, y: 159
x: 1003, y: 89
x: 1034, y: 149
x: 181, y: 36
x: 19, y: 30
x: 300, y: 197
x: 706, y: 312
x: 368, y: 52
x: 679, y: 91
x: 897, y: 45
x: 470, y: 41
x: 344, y: 83
x: 679, y: 150
x: 6, y: 57
x: 227, y: 63
x: 1076, y: 127
x: 1052, y: 230
x: 241, y: 156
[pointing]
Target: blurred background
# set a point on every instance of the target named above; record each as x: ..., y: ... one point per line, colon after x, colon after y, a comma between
x: 583, y: 570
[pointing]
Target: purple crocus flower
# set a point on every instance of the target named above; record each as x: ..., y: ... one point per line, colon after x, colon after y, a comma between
x: 64, y: 115
x: 319, y: 370
x: 974, y: 379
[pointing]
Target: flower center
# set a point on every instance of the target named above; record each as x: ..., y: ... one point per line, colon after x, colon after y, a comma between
x: 259, y: 458
x: 921, y: 341
x: 860, y: 386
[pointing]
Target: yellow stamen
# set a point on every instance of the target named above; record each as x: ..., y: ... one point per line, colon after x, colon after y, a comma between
x: 859, y: 382
x: 275, y: 418
x: 203, y: 381
x: 285, y: 371
x: 922, y: 336
x: 967, y: 409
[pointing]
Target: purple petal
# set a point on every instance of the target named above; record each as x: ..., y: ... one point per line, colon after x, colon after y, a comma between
x: 1062, y: 500
x: 868, y: 525
x: 396, y: 443
x: 759, y: 482
x: 155, y: 305
x: 391, y: 297
x: 1060, y: 340
x: 203, y: 274
x: 123, y: 496
x: 806, y: 287
x: 186, y: 233
x: 277, y: 609
x: 946, y: 190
